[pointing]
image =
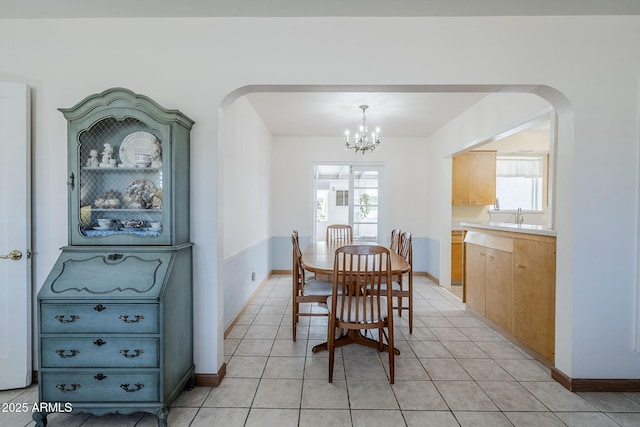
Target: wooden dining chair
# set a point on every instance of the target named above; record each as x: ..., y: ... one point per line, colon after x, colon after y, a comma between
x: 305, y: 289
x: 339, y: 233
x: 399, y: 289
x: 356, y: 303
x: 405, y: 289
x: 308, y: 275
x: 395, y: 240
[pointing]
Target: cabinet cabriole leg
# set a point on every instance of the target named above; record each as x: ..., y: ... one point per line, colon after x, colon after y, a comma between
x: 162, y: 415
x: 40, y: 418
x: 191, y: 383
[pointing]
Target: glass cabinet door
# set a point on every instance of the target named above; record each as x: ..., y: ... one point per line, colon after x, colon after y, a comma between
x: 128, y: 171
x: 120, y: 181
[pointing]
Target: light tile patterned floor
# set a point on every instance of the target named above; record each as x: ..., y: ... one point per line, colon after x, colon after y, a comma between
x: 452, y: 371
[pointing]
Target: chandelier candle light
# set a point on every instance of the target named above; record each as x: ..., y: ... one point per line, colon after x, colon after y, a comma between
x: 362, y: 142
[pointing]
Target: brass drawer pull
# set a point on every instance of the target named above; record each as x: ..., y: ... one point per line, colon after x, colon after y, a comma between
x: 137, y: 318
x: 99, y: 342
x: 62, y: 318
x: 126, y: 388
x: 136, y: 353
x: 100, y: 376
x: 63, y: 387
x: 521, y: 266
x: 63, y: 353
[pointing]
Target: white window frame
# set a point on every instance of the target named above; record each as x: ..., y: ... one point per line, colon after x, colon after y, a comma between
x: 382, y: 230
x: 539, y: 191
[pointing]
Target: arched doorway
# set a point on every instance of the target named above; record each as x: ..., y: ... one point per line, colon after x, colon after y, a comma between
x: 239, y: 264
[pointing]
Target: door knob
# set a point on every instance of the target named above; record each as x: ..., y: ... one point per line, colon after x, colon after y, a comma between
x: 14, y: 255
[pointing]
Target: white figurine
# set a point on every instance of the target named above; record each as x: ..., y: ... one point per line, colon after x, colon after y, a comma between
x: 106, y: 156
x: 92, y: 161
x: 156, y: 154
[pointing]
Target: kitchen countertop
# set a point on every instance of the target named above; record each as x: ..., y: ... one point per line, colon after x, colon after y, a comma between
x: 516, y: 228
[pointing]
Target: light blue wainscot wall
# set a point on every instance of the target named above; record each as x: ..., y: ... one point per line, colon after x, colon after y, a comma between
x: 429, y: 260
x: 238, y: 273
x: 282, y: 251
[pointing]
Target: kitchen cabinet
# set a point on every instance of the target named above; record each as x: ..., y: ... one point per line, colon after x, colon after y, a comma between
x: 475, y: 276
x: 488, y: 273
x: 115, y: 313
x: 534, y: 294
x: 509, y: 278
x: 456, y: 257
x: 499, y: 280
x: 474, y: 178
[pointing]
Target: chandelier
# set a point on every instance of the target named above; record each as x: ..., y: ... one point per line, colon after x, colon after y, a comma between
x: 362, y: 142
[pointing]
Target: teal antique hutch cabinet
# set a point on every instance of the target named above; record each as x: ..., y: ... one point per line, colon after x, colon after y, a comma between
x: 115, y: 313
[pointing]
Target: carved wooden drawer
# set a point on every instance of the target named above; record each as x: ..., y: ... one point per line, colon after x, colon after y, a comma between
x: 99, y: 317
x: 119, y: 343
x: 105, y: 351
x: 104, y: 385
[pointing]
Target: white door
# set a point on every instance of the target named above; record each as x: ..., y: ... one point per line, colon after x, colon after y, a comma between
x: 354, y: 195
x: 366, y: 207
x: 15, y: 236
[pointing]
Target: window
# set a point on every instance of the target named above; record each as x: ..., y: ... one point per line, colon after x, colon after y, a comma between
x: 350, y: 194
x: 321, y: 205
x: 342, y: 197
x: 365, y: 209
x: 520, y: 182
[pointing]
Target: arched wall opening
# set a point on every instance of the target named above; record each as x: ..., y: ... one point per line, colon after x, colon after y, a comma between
x: 260, y: 258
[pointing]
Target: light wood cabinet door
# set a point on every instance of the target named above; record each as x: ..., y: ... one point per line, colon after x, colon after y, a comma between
x: 474, y: 179
x: 482, y: 178
x: 534, y: 295
x: 474, y: 277
x: 456, y: 257
x: 499, y: 281
x: 460, y: 184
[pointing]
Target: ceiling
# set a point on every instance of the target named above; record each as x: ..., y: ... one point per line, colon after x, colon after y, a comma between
x: 322, y: 114
x: 325, y: 113
x: 310, y: 8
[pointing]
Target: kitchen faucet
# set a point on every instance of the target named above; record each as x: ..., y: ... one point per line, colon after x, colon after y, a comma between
x: 519, y: 216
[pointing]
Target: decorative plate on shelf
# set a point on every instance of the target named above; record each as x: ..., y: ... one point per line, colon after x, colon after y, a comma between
x: 142, y: 194
x: 137, y: 143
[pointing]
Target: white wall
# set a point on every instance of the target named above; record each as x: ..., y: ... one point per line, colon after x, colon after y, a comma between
x: 193, y: 63
x: 533, y: 141
x: 404, y: 160
x: 246, y: 190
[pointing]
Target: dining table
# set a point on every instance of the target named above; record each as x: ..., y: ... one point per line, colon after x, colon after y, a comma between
x: 319, y: 258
